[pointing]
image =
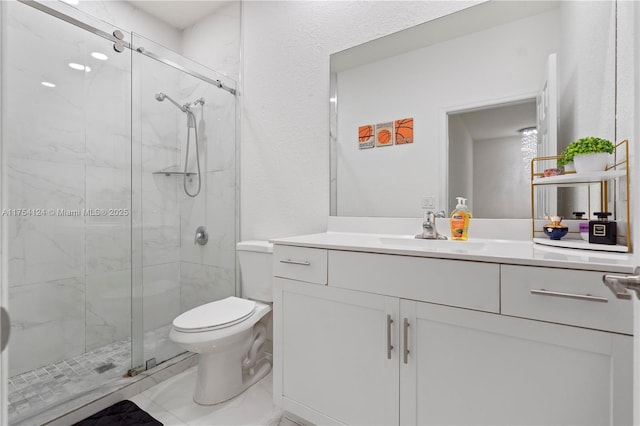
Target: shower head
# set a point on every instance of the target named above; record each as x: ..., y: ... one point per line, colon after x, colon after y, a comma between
x: 161, y: 97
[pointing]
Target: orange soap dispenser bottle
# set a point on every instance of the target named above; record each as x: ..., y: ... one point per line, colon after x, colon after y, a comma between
x: 460, y: 220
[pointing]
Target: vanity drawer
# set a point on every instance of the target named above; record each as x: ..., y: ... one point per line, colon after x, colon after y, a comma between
x: 564, y: 296
x: 300, y: 263
x: 449, y: 282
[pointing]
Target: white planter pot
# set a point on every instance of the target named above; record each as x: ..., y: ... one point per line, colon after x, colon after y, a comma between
x: 569, y: 167
x: 591, y: 162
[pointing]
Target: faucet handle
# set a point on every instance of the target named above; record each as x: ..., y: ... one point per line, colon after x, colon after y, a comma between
x: 428, y: 217
x: 441, y: 213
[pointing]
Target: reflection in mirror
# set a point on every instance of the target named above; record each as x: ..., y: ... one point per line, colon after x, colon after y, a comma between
x: 490, y: 151
x: 490, y: 54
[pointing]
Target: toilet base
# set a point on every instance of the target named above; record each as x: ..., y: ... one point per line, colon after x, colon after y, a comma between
x: 223, y: 375
x: 217, y: 383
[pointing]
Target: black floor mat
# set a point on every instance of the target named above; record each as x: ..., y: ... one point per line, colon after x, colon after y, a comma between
x: 123, y: 413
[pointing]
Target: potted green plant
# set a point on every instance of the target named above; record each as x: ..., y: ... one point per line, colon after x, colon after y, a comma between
x: 588, y: 154
x: 561, y: 162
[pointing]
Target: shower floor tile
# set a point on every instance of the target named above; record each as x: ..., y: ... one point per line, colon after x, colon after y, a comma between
x: 35, y: 391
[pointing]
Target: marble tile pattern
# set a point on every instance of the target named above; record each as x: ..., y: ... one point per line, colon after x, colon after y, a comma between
x: 68, y: 391
x: 33, y: 391
x: 208, y: 272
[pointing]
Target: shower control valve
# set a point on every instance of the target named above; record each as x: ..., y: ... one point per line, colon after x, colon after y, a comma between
x: 202, y: 236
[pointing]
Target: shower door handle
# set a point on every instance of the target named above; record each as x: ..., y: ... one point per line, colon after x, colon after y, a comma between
x: 5, y: 328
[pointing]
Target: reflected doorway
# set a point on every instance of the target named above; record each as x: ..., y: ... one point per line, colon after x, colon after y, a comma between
x: 490, y: 158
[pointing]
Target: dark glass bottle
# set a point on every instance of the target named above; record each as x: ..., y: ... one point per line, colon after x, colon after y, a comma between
x: 602, y: 230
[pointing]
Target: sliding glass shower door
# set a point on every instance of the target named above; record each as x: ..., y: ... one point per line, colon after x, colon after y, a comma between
x: 172, y: 272
x: 114, y: 158
x: 67, y: 189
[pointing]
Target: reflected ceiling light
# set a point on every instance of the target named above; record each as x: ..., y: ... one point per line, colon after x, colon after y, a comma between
x: 79, y: 67
x: 529, y: 147
x: 74, y: 2
x: 100, y: 56
x: 47, y: 84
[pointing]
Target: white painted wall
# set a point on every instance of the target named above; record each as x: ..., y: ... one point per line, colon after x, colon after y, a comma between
x: 586, y: 71
x: 285, y: 109
x: 214, y: 41
x: 586, y: 76
x: 128, y: 18
x: 493, y: 162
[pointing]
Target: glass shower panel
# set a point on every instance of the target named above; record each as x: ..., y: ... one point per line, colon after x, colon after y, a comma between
x: 66, y: 146
x: 178, y: 274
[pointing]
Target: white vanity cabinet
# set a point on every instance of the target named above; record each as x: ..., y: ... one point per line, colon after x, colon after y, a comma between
x: 330, y: 354
x: 409, y: 340
x: 473, y: 368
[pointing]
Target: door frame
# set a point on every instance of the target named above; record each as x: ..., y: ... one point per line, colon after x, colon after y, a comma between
x: 443, y: 195
x: 4, y: 357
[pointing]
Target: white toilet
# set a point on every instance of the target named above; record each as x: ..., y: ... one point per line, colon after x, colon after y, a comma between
x: 228, y: 334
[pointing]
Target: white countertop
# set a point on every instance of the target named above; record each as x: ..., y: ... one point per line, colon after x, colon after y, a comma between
x: 515, y: 252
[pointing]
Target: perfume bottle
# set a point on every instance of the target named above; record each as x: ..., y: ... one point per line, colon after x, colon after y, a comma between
x: 602, y: 230
x: 583, y: 225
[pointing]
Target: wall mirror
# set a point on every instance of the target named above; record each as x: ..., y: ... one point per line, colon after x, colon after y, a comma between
x: 479, y: 68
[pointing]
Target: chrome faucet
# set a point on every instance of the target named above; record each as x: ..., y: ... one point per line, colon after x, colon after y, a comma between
x: 429, y: 231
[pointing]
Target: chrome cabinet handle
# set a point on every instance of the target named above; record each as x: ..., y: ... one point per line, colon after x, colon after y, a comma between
x: 405, y: 326
x: 389, y: 345
x: 296, y: 262
x: 586, y: 297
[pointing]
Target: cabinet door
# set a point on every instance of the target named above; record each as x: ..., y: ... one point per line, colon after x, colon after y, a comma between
x: 468, y: 367
x: 331, y: 354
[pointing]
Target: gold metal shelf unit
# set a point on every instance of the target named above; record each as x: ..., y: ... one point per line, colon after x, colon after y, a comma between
x: 618, y: 172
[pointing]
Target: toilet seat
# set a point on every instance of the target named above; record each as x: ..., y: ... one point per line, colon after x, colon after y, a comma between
x: 215, y: 315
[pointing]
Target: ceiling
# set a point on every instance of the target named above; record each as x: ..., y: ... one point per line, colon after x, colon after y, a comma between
x: 179, y: 14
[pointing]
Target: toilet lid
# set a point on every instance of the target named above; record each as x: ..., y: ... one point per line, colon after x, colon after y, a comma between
x: 215, y: 314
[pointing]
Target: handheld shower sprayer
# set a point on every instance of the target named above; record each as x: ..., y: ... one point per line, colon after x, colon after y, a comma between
x: 191, y: 124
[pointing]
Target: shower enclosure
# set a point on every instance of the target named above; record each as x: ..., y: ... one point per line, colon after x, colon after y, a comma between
x: 103, y: 191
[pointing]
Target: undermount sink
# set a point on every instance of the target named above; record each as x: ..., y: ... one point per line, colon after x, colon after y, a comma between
x: 444, y: 245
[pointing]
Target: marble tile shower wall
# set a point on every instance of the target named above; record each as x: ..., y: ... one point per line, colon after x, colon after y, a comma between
x: 159, y: 139
x: 207, y: 273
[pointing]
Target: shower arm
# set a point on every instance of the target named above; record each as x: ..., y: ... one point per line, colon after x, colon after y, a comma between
x: 162, y: 96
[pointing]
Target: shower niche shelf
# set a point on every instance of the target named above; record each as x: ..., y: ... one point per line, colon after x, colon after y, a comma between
x: 173, y: 171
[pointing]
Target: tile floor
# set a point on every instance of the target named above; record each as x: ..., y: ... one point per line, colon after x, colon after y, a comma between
x: 171, y: 403
x: 35, y: 391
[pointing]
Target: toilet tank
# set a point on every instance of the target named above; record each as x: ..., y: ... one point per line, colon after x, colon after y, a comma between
x: 256, y: 270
